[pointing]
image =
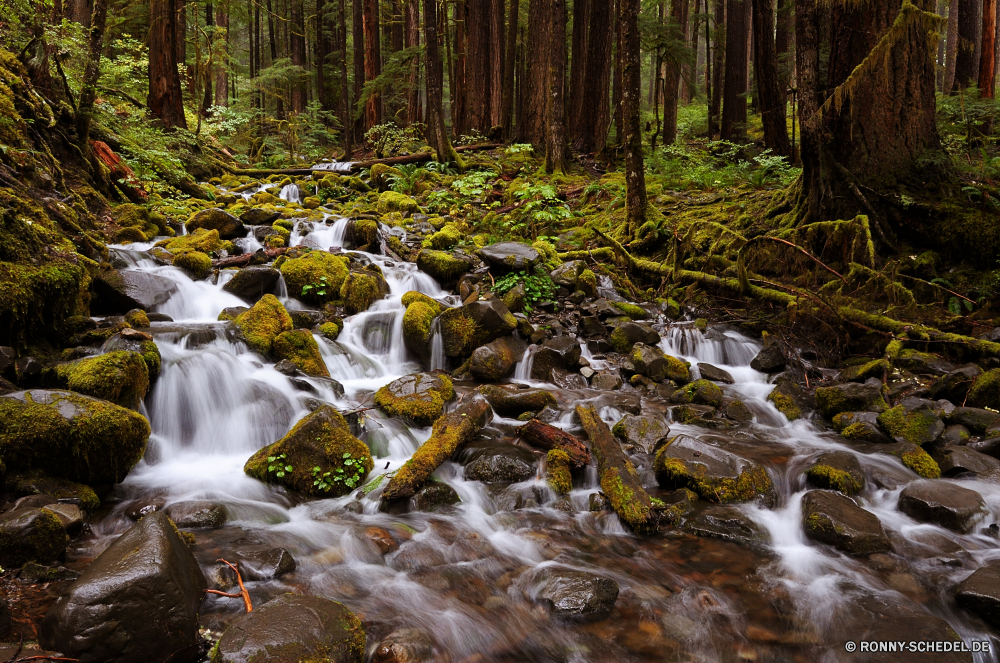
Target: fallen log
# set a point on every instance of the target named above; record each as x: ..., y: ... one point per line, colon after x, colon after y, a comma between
x: 451, y: 431
x: 603, y: 253
x: 245, y: 259
x: 547, y: 437
x: 619, y: 479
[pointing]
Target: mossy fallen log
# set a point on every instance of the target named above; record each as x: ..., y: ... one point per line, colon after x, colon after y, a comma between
x: 619, y: 479
x: 547, y: 437
x: 603, y: 253
x: 450, y: 432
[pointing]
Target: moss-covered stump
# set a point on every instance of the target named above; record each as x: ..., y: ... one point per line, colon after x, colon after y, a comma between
x: 361, y: 289
x: 851, y: 397
x: 837, y: 470
x: 390, y: 201
x: 316, y: 277
x: 495, y: 361
x: 419, y: 397
x: 557, y: 471
x: 450, y: 432
x: 716, y: 475
x: 985, y: 391
x: 263, y: 323
x: 466, y: 328
x: 121, y: 377
x: 701, y: 392
x: 294, y: 629
x: 29, y: 534
x: 836, y: 520
x: 70, y: 436
x: 916, y: 427
x: 229, y: 226
x: 299, y: 347
x: 628, y: 334
x: 510, y: 402
x: 321, y: 440
x: 64, y: 490
x: 445, y: 267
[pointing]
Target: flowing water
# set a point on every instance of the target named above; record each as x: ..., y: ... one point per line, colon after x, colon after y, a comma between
x: 463, y: 575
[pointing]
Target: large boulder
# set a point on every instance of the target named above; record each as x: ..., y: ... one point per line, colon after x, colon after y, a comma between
x: 229, y: 226
x: 136, y: 603
x: 558, y: 352
x: 918, y: 426
x: 567, y: 273
x: 318, y: 457
x: 643, y: 432
x: 391, y: 201
x: 447, y: 267
x: 651, y: 361
x: 942, y: 503
x: 419, y: 397
x: 118, y: 292
x: 466, y: 328
x: 496, y: 360
x: 985, y: 391
x: 838, y: 521
x: 960, y: 459
x: 299, y: 347
x: 978, y: 420
x: 253, y: 282
x: 628, y: 334
x: 136, y: 341
x: 715, y: 374
x: 262, y: 323
x: 70, y: 436
x: 955, y: 385
x: 851, y: 397
x: 769, y: 360
x: 837, y: 470
x: 510, y: 256
x: 570, y: 594
x: 120, y: 376
x: 498, y: 463
x: 316, y: 277
x: 700, y: 392
x: 511, y: 402
x: 294, y: 629
x: 260, y: 216
x: 418, y: 323
x: 361, y: 289
x: 714, y: 474
x: 980, y: 593
x: 31, y: 534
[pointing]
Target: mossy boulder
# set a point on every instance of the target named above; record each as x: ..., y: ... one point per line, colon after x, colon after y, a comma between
x: 260, y: 216
x: 466, y: 328
x: 414, y: 296
x: 253, y: 282
x: 419, y: 397
x: 195, y: 263
x: 70, y: 436
x: 137, y: 318
x: 263, y: 322
x: 321, y: 440
x: 321, y: 271
x: 390, y: 201
x: 837, y: 520
x: 837, y: 470
x: 418, y: 321
x: 447, y: 237
x: 787, y: 398
x: 866, y: 370
x: 714, y: 474
x: 140, y: 342
x: 628, y: 334
x: 851, y: 397
x: 557, y: 471
x: 361, y: 289
x: 120, y: 376
x: 331, y: 329
x: 701, y: 392
x: 299, y: 347
x: 229, y: 226
x: 643, y: 432
x: 985, y: 391
x: 509, y: 402
x: 63, y: 490
x: 446, y: 268
x: 362, y: 235
x: 31, y: 534
x: 496, y: 360
x: 919, y: 426
x: 631, y: 310
x: 650, y: 361
x: 206, y: 241
x: 379, y: 174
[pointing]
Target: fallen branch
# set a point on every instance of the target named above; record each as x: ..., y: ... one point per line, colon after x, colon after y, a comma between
x: 244, y: 594
x: 245, y: 259
x: 603, y: 253
x: 547, y: 437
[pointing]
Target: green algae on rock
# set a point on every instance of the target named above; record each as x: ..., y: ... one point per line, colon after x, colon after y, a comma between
x: 419, y: 397
x: 361, y: 289
x: 390, y: 201
x: 445, y: 267
x: 263, y: 323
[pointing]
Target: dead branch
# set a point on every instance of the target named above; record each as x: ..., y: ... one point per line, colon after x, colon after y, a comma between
x: 244, y: 594
x: 800, y: 250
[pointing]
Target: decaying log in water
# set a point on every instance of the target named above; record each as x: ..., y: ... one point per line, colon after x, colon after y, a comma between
x: 547, y: 437
x: 245, y: 259
x: 450, y: 432
x: 619, y: 479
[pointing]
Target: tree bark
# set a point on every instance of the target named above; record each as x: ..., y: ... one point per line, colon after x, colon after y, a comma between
x: 691, y: 69
x: 578, y: 67
x: 373, y: 62
x: 969, y: 27
x: 549, y: 437
x: 91, y: 74
x: 411, y: 22
x: 477, y: 65
x: 677, y: 33
x: 346, y: 113
x: 715, y: 106
x: 510, y: 66
x: 555, y: 146
x: 616, y: 88
x: 635, y: 171
x: 459, y: 91
x: 272, y: 37
x: 222, y: 68
x: 164, y: 101
x: 951, y: 48
x: 496, y: 64
x: 594, y: 112
x: 321, y: 53
x: 297, y: 51
x: 986, y: 62
x: 437, y: 134
x: 532, y: 120
x: 769, y: 89
x: 734, y: 102
x: 358, y: 35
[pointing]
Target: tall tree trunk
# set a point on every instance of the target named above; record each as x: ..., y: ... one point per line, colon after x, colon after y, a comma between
x: 720, y: 39
x: 532, y: 122
x: 496, y: 64
x: 459, y: 91
x: 181, y: 11
x: 969, y: 27
x: 708, y: 65
x: 164, y: 101
x: 38, y: 65
x: 80, y: 11
x: 635, y: 175
x: 373, y: 62
x: 345, y: 93
x: 222, y: 68
x: 297, y: 51
x: 771, y: 94
x: 272, y: 38
x: 437, y: 134
x: 321, y: 52
x: 951, y: 48
x: 691, y: 69
x: 616, y: 91
x: 555, y: 145
x: 594, y: 112
x: 412, y: 28
x: 358, y: 35
x: 578, y: 67
x: 676, y: 29
x: 986, y: 61
x: 91, y: 74
x: 477, y: 65
x: 510, y: 66
x: 734, y: 102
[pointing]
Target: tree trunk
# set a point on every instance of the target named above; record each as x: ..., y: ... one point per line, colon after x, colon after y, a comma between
x: 769, y: 89
x: 496, y: 64
x: 358, y: 36
x: 297, y: 51
x: 578, y: 67
x: 969, y: 26
x: 720, y: 63
x: 477, y: 65
x: 222, y: 68
x: 321, y: 53
x: 555, y: 145
x: 437, y: 134
x: 677, y: 33
x: 635, y: 175
x: 594, y: 112
x: 91, y: 74
x: 951, y: 48
x: 80, y: 11
x: 373, y: 62
x: 510, y: 66
x: 691, y: 69
x: 532, y: 122
x: 411, y: 20
x: 734, y: 102
x: 272, y: 37
x: 459, y: 91
x: 180, y: 9
x: 986, y: 63
x: 616, y: 91
x: 345, y: 101
x: 164, y: 99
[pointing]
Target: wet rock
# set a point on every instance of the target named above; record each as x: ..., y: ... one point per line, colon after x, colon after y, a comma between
x: 700, y: 392
x: 465, y: 329
x: 494, y: 361
x: 293, y: 628
x: 628, y: 334
x: 264, y: 564
x: 407, y: 645
x: 559, y: 352
x: 418, y: 397
x: 769, y: 360
x: 361, y: 289
x: 571, y: 594
x: 434, y: 496
x: 606, y: 380
x: 70, y: 515
x: 260, y: 216
x: 837, y: 470
x: 137, y: 602
x: 510, y: 256
x: 253, y: 282
x: 511, y: 402
x: 714, y: 474
x: 955, y: 434
x: 70, y: 436
x: 942, y: 503
x: 695, y: 415
x: 919, y: 426
x: 727, y: 523
x: 980, y: 593
x: 954, y: 386
x: 973, y: 418
x: 860, y: 427
x: 34, y: 501
x: 737, y: 411
x: 714, y: 374
x: 955, y: 460
x: 39, y: 573
x: 117, y: 292
x: 589, y: 327
x: 657, y: 366
x: 447, y: 267
x: 498, y: 463
x: 566, y: 379
x: 567, y: 273
x: 790, y: 400
x: 229, y: 226
x: 232, y: 312
x: 876, y: 368
x: 922, y: 363
x: 301, y: 348
x: 59, y: 490
x: 851, y: 397
x: 121, y: 377
x: 197, y: 515
x: 837, y: 520
x: 642, y: 432
x: 31, y: 534
x: 985, y: 391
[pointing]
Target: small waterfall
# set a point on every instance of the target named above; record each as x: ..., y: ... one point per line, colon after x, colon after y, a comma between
x: 522, y: 369
x: 606, y: 288
x: 342, y: 167
x: 438, y: 361
x: 291, y: 193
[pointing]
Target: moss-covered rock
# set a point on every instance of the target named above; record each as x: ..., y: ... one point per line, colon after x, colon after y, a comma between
x: 31, y: 535
x: 864, y: 371
x: 299, y: 347
x: 418, y: 321
x: 316, y: 277
x: 140, y: 342
x: 918, y: 427
x: 587, y: 282
x: 447, y: 237
x: 70, y: 436
x: 837, y: 470
x: 264, y: 322
x: 229, y: 226
x: 206, y: 241
x: 331, y: 330
x: 196, y: 263
x: 788, y: 399
x: 631, y: 310
x: 121, y: 377
x: 466, y: 328
x: 414, y: 296
x: 496, y: 360
x: 509, y: 402
x: 379, y: 174
x: 985, y: 391
x: 716, y: 475
x: 701, y: 392
x: 628, y: 334
x: 361, y: 289
x: 851, y: 397
x: 557, y: 471
x: 64, y: 490
x: 419, y: 397
x: 137, y: 318
x: 657, y: 366
x: 390, y: 201
x: 445, y: 267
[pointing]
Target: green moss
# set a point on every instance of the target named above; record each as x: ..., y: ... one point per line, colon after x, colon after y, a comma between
x: 36, y: 483
x: 856, y: 431
x: 299, y: 347
x: 424, y: 407
x: 360, y: 290
x: 441, y: 265
x: 378, y: 175
x: 390, y: 201
x: 37, y: 300
x: 587, y: 281
x: 121, y: 377
x: 44, y: 541
x: 631, y: 310
x: 985, y: 391
x: 619, y: 341
x: 701, y: 391
x: 785, y: 404
x: 824, y: 476
x: 206, y: 241
x: 196, y: 263
x: 557, y: 471
x: 263, y: 323
x: 671, y: 472
x: 284, y: 224
x: 130, y: 235
x: 906, y: 426
x: 921, y: 462
x: 95, y: 336
x: 151, y: 355
x: 831, y: 402
x: 460, y: 334
x: 417, y: 321
x: 511, y: 404
x: 137, y: 318
x: 445, y: 238
x: 331, y: 330
x: 309, y: 270
x: 414, y: 296
x: 871, y: 369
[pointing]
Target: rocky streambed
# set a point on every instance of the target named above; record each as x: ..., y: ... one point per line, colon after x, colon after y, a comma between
x: 404, y: 466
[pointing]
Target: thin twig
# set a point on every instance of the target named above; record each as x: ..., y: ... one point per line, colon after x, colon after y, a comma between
x: 239, y: 579
x: 803, y: 252
x: 937, y: 285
